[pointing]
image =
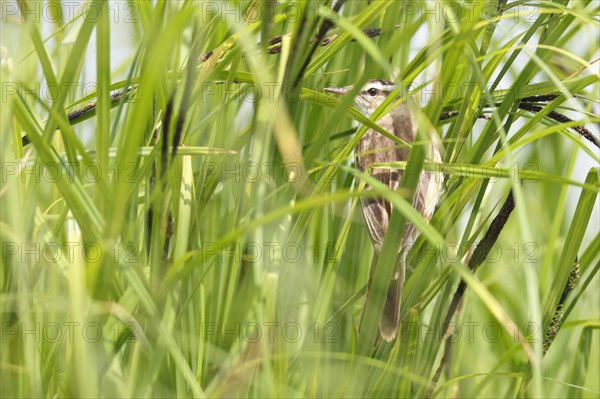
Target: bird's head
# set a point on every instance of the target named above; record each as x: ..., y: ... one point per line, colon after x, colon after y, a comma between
x: 371, y: 96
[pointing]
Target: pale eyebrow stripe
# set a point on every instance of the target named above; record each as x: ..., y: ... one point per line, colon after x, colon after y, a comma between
x: 379, y: 84
x: 375, y: 84
x: 384, y: 82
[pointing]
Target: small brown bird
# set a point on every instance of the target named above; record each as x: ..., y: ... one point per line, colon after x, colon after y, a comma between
x: 376, y: 148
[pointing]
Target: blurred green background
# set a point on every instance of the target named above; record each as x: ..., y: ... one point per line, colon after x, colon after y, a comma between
x: 235, y: 265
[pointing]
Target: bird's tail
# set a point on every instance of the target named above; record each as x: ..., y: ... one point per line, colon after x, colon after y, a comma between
x: 388, y: 324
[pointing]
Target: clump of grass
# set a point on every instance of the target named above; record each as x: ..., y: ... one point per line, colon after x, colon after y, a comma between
x: 190, y: 225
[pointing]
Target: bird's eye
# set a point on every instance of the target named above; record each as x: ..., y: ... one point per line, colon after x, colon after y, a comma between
x: 372, y: 91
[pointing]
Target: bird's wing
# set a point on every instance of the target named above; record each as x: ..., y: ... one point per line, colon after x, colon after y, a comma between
x: 377, y: 211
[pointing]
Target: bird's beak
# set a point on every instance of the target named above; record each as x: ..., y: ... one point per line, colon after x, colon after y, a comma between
x: 338, y: 90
